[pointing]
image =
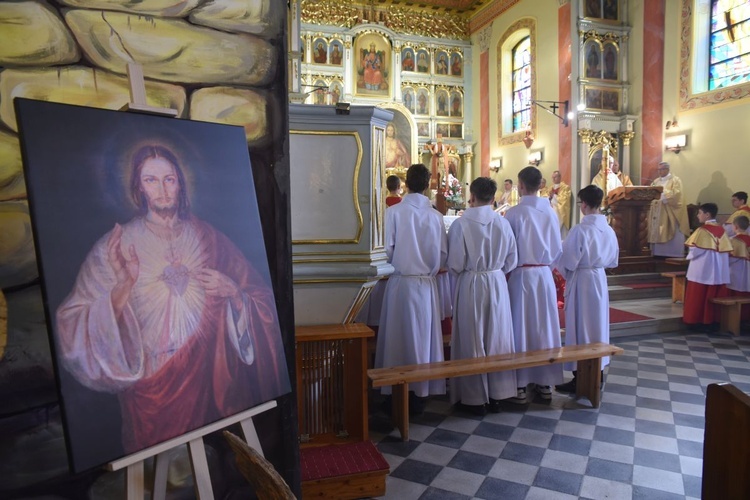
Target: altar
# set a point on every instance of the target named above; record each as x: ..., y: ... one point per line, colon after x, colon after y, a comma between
x: 629, y: 207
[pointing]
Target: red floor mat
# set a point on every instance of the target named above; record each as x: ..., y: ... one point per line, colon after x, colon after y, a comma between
x: 615, y: 316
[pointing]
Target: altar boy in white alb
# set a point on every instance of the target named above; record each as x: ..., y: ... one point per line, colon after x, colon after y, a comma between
x: 590, y: 247
x: 416, y: 245
x: 481, y: 251
x: 533, y: 299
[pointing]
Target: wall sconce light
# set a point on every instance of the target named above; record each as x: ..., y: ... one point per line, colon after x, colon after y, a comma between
x: 675, y: 143
x: 496, y: 163
x: 672, y: 124
x: 536, y: 157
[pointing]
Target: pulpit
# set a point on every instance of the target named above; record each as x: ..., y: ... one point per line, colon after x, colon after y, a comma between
x: 630, y: 206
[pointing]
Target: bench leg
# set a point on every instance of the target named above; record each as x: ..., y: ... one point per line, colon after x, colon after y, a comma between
x: 730, y: 318
x: 400, y: 409
x: 678, y: 289
x: 589, y: 380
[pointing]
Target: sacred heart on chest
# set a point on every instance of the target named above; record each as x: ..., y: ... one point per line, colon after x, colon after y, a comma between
x: 177, y: 277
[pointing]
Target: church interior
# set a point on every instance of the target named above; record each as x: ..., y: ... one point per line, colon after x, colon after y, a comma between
x: 332, y: 98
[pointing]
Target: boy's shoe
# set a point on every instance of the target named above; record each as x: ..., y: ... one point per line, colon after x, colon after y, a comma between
x: 479, y: 410
x: 544, y: 391
x: 494, y: 406
x: 569, y: 387
x: 521, y: 398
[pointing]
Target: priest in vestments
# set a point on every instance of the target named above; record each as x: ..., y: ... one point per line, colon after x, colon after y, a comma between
x: 668, y: 218
x: 560, y: 196
x: 739, y: 203
x: 612, y: 179
x: 708, y: 270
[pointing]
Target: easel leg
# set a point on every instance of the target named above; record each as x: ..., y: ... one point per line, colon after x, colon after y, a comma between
x: 161, y: 468
x: 589, y: 380
x: 201, y: 475
x: 251, y: 436
x: 134, y: 481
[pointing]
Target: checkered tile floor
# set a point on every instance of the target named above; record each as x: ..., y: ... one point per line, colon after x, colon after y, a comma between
x: 645, y: 440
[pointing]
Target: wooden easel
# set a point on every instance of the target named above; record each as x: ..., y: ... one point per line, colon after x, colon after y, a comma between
x: 135, y: 471
x: 135, y: 477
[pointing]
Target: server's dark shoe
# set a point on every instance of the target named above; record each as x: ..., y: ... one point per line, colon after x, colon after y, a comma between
x: 569, y: 387
x: 494, y: 406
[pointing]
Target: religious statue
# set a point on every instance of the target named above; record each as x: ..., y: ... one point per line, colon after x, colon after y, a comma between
x: 438, y: 162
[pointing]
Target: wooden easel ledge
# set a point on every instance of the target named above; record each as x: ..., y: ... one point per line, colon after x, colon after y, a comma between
x: 138, y: 102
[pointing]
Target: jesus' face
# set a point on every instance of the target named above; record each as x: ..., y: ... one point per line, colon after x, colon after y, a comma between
x: 160, y: 185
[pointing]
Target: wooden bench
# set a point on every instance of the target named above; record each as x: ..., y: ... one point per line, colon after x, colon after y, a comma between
x: 731, y: 312
x: 588, y: 383
x: 678, y: 285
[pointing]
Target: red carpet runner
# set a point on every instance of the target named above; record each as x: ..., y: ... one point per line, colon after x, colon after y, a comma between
x: 615, y: 316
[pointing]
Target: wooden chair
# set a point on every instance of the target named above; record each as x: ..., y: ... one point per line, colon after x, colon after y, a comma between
x: 259, y: 472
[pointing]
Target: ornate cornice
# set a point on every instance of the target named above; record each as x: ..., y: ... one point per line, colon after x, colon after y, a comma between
x: 606, y: 37
x: 403, y: 20
x: 626, y: 137
x: 488, y: 14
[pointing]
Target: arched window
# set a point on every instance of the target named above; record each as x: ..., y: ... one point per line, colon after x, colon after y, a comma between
x: 522, y: 85
x: 729, y: 45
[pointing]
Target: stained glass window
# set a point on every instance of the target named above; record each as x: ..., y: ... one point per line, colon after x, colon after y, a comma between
x: 522, y: 85
x: 729, y: 43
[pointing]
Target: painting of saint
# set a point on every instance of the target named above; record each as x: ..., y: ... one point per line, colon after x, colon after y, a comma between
x: 442, y: 129
x: 456, y: 131
x: 442, y: 102
x: 441, y: 66
x: 457, y: 64
x: 610, y: 62
x: 302, y: 49
x: 160, y: 307
x: 423, y: 107
x: 337, y: 52
x: 593, y: 61
x: 396, y: 153
x: 423, y: 61
x: 407, y: 59
x: 423, y: 129
x: 610, y: 10
x: 336, y: 90
x: 372, y: 55
x: 409, y: 99
x: 610, y: 100
x: 456, y: 107
x: 593, y: 9
x: 320, y: 94
x: 593, y: 98
x: 320, y: 51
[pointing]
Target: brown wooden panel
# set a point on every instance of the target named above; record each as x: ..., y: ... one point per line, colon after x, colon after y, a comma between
x: 726, y: 446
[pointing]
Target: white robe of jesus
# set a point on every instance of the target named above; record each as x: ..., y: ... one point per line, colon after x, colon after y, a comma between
x: 590, y: 247
x: 481, y: 251
x: 409, y: 332
x: 533, y: 298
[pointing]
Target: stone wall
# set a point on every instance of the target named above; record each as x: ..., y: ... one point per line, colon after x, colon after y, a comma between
x: 211, y: 60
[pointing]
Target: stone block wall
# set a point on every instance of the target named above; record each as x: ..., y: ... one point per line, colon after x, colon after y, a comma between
x: 211, y: 60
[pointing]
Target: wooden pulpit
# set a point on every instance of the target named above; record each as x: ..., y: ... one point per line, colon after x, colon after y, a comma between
x: 630, y: 206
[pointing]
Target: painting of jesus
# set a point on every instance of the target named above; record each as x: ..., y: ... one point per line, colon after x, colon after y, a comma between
x: 155, y: 273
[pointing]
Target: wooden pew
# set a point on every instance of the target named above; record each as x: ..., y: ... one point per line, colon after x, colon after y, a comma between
x: 678, y: 285
x: 588, y: 384
x: 731, y: 312
x: 726, y: 445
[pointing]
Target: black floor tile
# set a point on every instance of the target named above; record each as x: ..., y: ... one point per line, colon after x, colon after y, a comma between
x: 616, y: 436
x: 416, y: 471
x: 498, y: 489
x: 557, y: 480
x: 657, y: 460
x: 606, y: 469
x: 472, y: 462
x: 570, y: 444
x: 538, y: 423
x: 450, y: 439
x: 656, y: 428
x: 523, y: 453
x: 438, y: 494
